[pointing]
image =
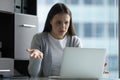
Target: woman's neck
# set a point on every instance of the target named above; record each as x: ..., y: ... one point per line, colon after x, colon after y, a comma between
x: 59, y: 38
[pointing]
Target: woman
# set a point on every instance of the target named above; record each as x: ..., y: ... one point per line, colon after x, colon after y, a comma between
x: 47, y: 47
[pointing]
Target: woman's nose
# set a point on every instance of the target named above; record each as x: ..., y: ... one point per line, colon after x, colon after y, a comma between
x: 63, y: 25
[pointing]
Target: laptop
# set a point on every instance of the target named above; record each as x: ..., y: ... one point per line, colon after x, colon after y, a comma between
x: 82, y: 63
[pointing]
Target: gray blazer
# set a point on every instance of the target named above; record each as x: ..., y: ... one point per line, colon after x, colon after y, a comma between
x: 42, y: 67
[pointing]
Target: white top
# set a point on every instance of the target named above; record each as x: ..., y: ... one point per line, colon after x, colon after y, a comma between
x: 57, y: 47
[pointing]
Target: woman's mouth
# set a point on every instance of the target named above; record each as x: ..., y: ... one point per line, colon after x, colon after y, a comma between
x: 62, y: 31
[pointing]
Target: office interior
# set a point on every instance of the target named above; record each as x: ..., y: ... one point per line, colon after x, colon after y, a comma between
x: 96, y: 23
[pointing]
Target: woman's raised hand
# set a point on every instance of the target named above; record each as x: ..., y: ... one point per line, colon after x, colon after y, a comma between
x: 35, y: 53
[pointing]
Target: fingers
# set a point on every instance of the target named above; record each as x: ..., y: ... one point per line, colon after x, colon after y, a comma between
x: 34, y: 53
x: 30, y: 50
x: 105, y: 64
x: 105, y: 72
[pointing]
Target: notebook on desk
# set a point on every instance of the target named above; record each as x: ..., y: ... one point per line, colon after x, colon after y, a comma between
x: 82, y: 63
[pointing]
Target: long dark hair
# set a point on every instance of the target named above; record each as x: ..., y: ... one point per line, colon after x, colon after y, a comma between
x: 58, y: 8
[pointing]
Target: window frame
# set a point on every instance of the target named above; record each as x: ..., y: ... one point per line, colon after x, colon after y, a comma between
x: 119, y: 41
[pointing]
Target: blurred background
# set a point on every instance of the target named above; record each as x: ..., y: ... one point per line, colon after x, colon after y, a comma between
x: 96, y: 23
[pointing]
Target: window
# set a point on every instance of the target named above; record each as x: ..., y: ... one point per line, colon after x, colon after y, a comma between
x: 116, y: 30
x: 111, y: 30
x: 74, y: 1
x: 87, y: 2
x: 100, y: 30
x: 87, y: 30
x: 71, y: 1
x: 98, y: 2
x: 49, y: 1
x: 111, y: 2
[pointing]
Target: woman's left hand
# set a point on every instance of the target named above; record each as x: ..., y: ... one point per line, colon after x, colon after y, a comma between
x: 105, y: 72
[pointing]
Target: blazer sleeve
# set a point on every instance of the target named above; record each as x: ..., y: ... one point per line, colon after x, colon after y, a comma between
x: 34, y: 67
x: 77, y: 41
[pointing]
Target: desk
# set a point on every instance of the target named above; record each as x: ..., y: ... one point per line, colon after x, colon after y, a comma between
x: 42, y: 78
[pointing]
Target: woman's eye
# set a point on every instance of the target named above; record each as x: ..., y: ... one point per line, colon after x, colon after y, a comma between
x: 58, y: 22
x: 66, y: 22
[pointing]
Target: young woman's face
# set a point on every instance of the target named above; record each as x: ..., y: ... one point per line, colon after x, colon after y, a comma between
x: 60, y: 24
